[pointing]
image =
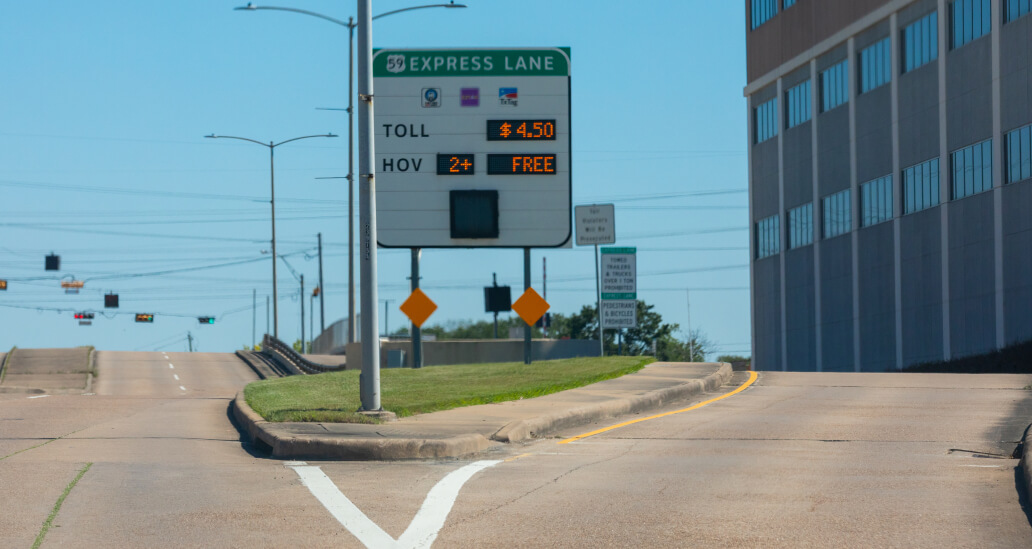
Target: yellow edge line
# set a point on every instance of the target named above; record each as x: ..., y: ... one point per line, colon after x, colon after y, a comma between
x: 752, y: 378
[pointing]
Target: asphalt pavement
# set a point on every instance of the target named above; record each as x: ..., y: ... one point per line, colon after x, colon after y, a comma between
x: 794, y: 460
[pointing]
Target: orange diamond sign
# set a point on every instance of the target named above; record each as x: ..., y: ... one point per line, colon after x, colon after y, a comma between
x: 418, y: 307
x: 530, y: 306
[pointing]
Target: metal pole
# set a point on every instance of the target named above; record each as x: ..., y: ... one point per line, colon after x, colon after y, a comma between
x: 254, y: 317
x: 189, y: 339
x: 311, y: 321
x: 417, y: 335
x: 598, y: 305
x: 544, y: 294
x: 351, y: 182
x: 526, y: 286
x: 302, y: 300
x: 322, y: 302
x: 370, y: 383
x: 266, y: 314
x: 494, y: 282
x: 386, y: 316
x: 272, y: 201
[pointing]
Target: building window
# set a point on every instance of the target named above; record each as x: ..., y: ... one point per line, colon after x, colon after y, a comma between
x: 876, y: 201
x: 969, y: 19
x: 972, y: 169
x: 1019, y: 154
x: 1017, y: 8
x: 768, y: 237
x: 837, y: 214
x: 800, y: 226
x: 920, y: 42
x: 921, y: 186
x: 766, y: 120
x: 789, y: 3
x: 834, y: 86
x: 875, y: 66
x: 762, y: 11
x: 797, y: 104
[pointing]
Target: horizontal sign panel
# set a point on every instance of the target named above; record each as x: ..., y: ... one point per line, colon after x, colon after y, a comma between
x: 455, y: 164
x: 521, y: 164
x: 521, y: 130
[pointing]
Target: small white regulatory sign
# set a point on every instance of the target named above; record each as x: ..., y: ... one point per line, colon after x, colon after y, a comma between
x: 619, y: 313
x: 596, y: 224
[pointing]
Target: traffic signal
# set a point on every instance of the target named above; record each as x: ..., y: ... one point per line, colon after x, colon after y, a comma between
x: 206, y: 319
x: 3, y: 285
x: 497, y: 299
x: 143, y: 317
x: 53, y: 262
x: 111, y: 301
x: 84, y: 316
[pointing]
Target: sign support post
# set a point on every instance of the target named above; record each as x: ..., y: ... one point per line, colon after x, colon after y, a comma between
x: 417, y: 336
x: 527, y: 327
x: 598, y: 306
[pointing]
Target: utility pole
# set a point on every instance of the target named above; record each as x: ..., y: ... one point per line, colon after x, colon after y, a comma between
x: 370, y: 379
x: 691, y: 339
x: 266, y: 314
x: 189, y: 339
x: 322, y: 302
x: 544, y: 290
x: 254, y: 317
x: 386, y: 316
x: 301, y: 298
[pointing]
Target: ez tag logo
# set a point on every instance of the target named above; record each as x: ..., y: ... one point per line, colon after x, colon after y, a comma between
x: 395, y: 63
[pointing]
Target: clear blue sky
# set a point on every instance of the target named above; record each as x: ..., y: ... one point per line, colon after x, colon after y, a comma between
x: 102, y: 161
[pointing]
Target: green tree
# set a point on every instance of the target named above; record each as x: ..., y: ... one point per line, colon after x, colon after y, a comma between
x: 479, y: 329
x: 636, y: 341
x: 732, y: 358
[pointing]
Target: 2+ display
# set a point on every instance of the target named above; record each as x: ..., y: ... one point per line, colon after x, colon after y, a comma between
x: 521, y: 130
x: 455, y: 164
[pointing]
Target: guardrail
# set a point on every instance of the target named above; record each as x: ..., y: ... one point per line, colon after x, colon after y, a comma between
x: 286, y: 355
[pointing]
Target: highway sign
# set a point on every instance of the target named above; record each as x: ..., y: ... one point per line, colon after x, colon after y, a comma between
x: 619, y: 273
x: 72, y: 284
x: 473, y: 148
x: 530, y: 306
x: 418, y: 307
x: 619, y: 288
x: 596, y: 224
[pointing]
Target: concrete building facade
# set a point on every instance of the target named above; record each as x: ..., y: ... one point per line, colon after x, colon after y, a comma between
x: 890, y: 185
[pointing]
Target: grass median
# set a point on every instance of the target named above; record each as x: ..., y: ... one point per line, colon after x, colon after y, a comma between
x: 334, y: 397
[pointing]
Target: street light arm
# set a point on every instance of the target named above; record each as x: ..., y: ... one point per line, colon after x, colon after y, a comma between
x: 291, y: 267
x: 252, y: 7
x: 213, y: 136
x: 303, y: 137
x: 452, y: 5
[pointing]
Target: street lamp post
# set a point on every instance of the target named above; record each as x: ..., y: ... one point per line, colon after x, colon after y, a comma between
x: 350, y: 24
x: 272, y: 200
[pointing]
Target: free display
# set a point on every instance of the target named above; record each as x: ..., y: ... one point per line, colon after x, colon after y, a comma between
x: 521, y: 164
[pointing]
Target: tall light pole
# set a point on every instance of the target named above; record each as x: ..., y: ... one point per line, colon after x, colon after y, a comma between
x: 272, y: 200
x: 350, y: 24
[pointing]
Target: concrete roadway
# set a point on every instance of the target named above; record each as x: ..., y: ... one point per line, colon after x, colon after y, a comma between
x: 796, y: 460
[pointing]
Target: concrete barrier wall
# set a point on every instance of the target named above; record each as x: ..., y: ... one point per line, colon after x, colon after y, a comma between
x: 438, y: 353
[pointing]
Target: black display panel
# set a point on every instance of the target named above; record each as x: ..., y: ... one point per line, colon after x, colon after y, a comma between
x: 454, y: 164
x: 521, y: 130
x: 474, y: 214
x: 521, y: 164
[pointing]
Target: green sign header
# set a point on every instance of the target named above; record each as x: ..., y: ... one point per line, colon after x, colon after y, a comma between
x: 630, y: 250
x: 517, y: 62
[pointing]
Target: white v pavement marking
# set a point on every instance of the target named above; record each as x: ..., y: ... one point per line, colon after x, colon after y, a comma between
x: 423, y: 530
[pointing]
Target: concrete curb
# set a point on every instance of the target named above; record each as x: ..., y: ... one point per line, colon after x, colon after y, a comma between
x: 350, y: 448
x: 284, y: 445
x: 534, y: 427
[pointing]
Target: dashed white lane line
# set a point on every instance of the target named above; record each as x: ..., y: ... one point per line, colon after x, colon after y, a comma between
x: 39, y: 396
x: 424, y: 527
x: 176, y: 376
x: 182, y: 388
x: 170, y: 365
